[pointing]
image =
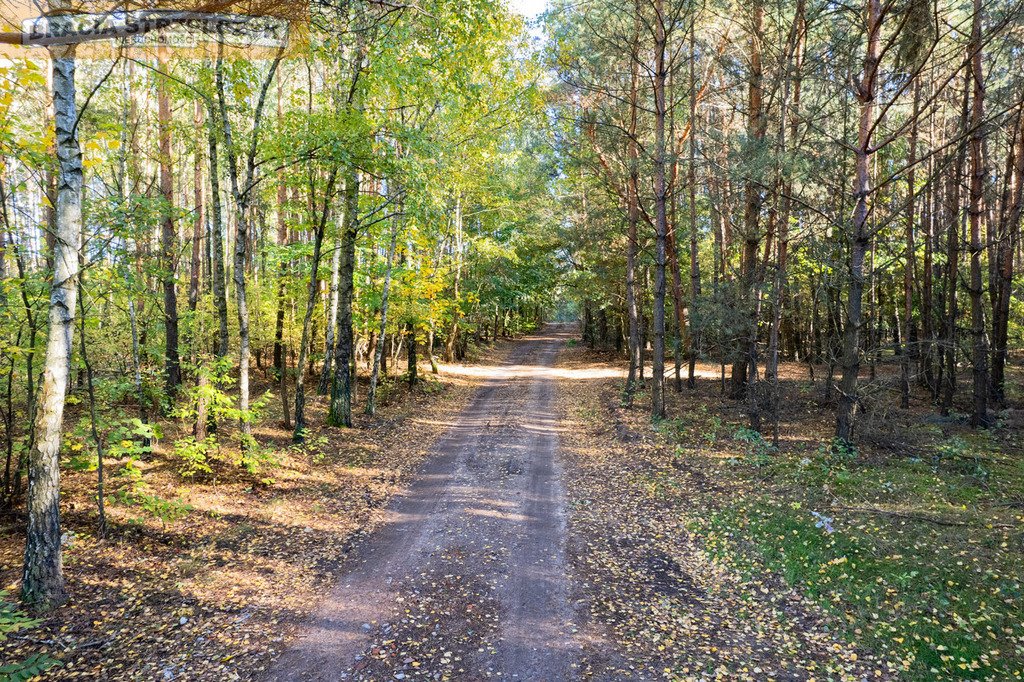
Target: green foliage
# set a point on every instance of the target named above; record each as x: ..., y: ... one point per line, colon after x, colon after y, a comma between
x: 256, y: 459
x: 930, y: 612
x: 311, y: 445
x: 758, y: 451
x: 32, y: 667
x: 132, y: 438
x: 963, y: 456
x: 167, y: 511
x: 125, y: 438
x: 673, y: 429
x: 12, y: 620
x: 712, y: 427
x: 195, y: 455
x: 698, y: 425
x: 210, y: 389
x: 838, y: 451
x: 903, y: 550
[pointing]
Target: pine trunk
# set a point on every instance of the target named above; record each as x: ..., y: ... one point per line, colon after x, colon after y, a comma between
x: 168, y: 240
x: 979, y: 413
x: 860, y: 236
x: 660, y: 210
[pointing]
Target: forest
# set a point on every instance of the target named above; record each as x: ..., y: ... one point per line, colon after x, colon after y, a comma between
x: 804, y: 184
x: 739, y: 287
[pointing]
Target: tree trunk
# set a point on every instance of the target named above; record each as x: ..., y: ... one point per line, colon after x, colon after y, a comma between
x: 672, y: 249
x: 43, y: 577
x: 33, y: 331
x: 200, y: 427
x: 742, y: 370
x: 694, y: 342
x: 198, y: 229
x: 860, y: 236
x: 332, y: 311
x: 660, y: 209
x: 282, y: 289
x: 672, y: 256
x: 133, y: 316
x: 49, y: 188
x: 280, y: 349
x: 371, y: 396
x: 242, y: 304
x: 340, y: 413
x: 282, y: 276
x: 242, y: 193
x: 4, y: 229
x: 168, y: 237
x: 929, y: 217
x: 411, y: 350
x: 788, y: 117
x: 101, y: 525
x: 453, y: 336
x: 220, y: 287
x: 908, y: 260
x: 1009, y: 233
x: 952, y: 199
x: 979, y: 414
x: 430, y: 352
x: 8, y: 413
x: 633, y: 220
x: 313, y: 290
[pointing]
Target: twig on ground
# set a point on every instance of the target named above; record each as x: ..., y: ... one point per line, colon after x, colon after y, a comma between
x: 918, y: 517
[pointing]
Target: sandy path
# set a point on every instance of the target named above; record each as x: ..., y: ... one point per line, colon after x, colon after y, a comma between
x: 466, y: 578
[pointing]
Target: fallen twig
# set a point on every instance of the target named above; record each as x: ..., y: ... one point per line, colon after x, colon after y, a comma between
x: 37, y: 640
x: 918, y: 517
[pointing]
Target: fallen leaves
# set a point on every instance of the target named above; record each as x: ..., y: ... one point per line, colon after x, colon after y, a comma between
x: 653, y: 594
x: 216, y: 592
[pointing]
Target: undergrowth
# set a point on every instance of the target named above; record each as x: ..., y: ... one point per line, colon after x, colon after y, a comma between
x: 918, y: 557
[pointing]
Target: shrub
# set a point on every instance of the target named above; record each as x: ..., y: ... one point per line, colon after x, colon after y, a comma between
x: 758, y: 450
x: 195, y: 455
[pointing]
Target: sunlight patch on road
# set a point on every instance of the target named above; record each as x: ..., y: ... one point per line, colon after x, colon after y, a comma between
x: 496, y: 514
x: 532, y: 371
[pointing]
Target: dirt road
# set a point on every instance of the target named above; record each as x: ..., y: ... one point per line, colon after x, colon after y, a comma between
x: 466, y: 579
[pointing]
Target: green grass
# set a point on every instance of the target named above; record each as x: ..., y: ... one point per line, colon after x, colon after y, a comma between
x: 919, y: 559
x: 941, y: 601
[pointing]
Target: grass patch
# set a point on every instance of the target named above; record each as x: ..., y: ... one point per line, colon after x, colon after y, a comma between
x: 938, y: 609
x: 908, y: 553
x: 915, y: 548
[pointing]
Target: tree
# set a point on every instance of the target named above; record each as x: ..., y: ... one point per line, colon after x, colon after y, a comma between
x: 661, y: 37
x: 43, y: 577
x: 168, y: 237
x: 242, y: 188
x: 979, y: 414
x: 314, y: 282
x: 860, y: 233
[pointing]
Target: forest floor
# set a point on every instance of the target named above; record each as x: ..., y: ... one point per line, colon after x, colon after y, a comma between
x: 710, y: 553
x: 516, y: 521
x: 206, y: 578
